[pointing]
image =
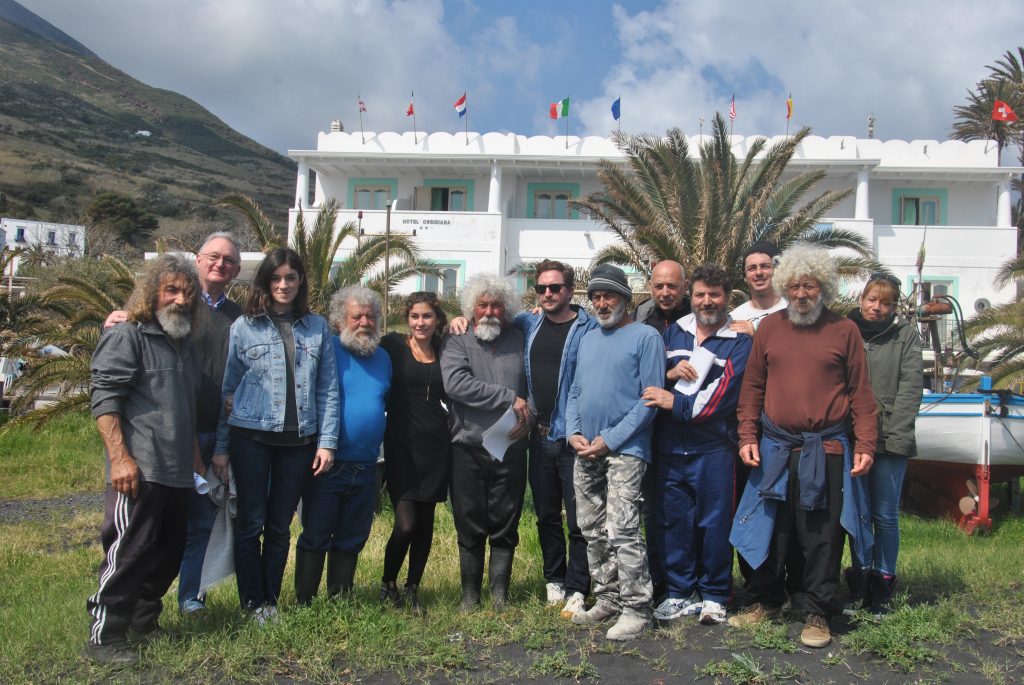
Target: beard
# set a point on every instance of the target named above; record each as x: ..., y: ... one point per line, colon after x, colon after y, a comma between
x: 710, y: 317
x: 488, y: 328
x: 175, y: 320
x: 810, y: 318
x: 610, y: 317
x: 362, y: 343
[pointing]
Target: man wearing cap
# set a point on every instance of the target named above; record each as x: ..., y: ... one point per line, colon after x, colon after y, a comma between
x: 758, y: 271
x: 610, y: 429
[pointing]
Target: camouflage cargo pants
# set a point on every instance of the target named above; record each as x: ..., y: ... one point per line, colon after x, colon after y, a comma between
x: 608, y: 505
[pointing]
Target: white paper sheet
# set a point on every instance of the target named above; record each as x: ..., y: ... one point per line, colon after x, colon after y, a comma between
x: 496, y: 440
x: 701, y: 360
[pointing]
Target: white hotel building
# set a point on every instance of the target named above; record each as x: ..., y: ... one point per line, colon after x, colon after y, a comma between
x: 489, y: 201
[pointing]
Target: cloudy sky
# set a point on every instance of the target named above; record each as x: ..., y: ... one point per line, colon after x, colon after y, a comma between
x: 280, y: 70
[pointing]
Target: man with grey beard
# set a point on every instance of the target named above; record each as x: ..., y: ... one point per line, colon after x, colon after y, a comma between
x: 610, y: 428
x: 484, y: 377
x: 805, y: 391
x: 337, y: 508
x: 143, y: 396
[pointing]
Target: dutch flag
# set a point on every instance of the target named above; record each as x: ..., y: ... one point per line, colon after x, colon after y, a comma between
x: 460, y: 105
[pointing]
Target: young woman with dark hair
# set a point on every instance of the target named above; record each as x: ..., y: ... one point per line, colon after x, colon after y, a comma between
x: 282, y: 388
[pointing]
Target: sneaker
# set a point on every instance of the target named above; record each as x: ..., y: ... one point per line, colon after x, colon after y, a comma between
x: 575, y: 605
x: 266, y: 614
x: 555, y: 593
x: 712, y: 613
x: 753, y: 614
x: 815, y: 633
x: 192, y: 606
x: 598, y: 613
x: 675, y: 607
x: 115, y: 654
x: 629, y: 627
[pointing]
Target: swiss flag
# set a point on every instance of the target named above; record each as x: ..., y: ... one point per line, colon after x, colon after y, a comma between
x: 1003, y: 112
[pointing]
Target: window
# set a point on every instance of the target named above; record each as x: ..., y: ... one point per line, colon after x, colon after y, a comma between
x: 447, y: 199
x: 551, y: 200
x: 72, y: 239
x: 51, y: 237
x: 447, y: 284
x: 19, y: 235
x: 919, y: 211
x: 445, y: 195
x: 371, y: 197
x: 919, y: 206
x: 934, y: 287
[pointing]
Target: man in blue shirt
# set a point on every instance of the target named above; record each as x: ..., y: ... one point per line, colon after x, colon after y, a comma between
x: 610, y: 427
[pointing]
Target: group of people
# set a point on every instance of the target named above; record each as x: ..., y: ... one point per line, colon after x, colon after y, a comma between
x: 779, y: 430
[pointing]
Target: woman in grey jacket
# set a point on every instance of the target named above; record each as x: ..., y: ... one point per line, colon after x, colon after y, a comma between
x: 894, y: 359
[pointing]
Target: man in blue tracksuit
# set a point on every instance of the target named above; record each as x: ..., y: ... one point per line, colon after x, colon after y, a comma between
x: 552, y: 341
x: 696, y: 445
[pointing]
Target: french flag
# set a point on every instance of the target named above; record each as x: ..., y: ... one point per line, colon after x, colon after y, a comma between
x: 460, y: 105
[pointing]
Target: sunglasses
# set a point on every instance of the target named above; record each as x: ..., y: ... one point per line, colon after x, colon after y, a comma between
x: 553, y: 288
x: 888, y: 278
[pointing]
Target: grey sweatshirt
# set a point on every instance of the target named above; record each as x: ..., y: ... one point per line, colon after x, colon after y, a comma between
x: 151, y: 383
x: 482, y: 380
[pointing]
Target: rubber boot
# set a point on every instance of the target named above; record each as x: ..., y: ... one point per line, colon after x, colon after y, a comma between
x: 309, y: 567
x: 471, y: 566
x: 341, y: 572
x: 881, y: 587
x: 499, y: 572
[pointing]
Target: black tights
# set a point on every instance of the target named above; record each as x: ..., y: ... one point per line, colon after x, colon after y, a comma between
x: 413, y: 532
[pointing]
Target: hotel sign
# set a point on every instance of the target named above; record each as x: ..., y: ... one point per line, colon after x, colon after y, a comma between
x: 425, y: 223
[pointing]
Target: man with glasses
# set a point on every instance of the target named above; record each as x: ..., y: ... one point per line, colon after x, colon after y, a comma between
x: 218, y: 262
x: 609, y: 428
x: 552, y: 343
x: 805, y: 390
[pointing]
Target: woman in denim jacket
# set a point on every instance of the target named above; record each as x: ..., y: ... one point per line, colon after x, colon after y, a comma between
x: 281, y: 421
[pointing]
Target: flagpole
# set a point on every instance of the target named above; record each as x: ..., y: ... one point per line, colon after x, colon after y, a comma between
x: 619, y: 120
x: 700, y: 123
x: 732, y: 119
x: 359, y: 106
x: 412, y: 103
x: 789, y: 112
x: 466, y: 95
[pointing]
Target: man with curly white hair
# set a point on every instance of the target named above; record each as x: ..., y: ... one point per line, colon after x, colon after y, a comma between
x: 484, y: 376
x: 805, y: 391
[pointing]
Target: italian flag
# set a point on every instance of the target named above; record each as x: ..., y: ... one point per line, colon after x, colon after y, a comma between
x: 559, y: 109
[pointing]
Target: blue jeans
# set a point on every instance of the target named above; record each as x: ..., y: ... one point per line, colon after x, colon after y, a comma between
x: 269, y: 481
x: 201, y: 514
x: 884, y: 487
x: 550, y: 474
x: 338, y: 507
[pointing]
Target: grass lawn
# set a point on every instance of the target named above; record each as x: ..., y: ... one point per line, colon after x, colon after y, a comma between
x: 959, y: 615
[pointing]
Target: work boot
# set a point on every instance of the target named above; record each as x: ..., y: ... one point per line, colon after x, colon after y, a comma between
x: 471, y: 566
x: 857, y: 583
x: 309, y: 567
x: 881, y: 587
x: 815, y: 633
x: 341, y: 572
x: 599, y: 613
x: 629, y: 626
x: 499, y: 573
x: 754, y: 614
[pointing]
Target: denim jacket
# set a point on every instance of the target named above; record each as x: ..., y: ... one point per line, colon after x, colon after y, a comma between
x: 255, y: 376
x: 754, y: 522
x: 529, y: 324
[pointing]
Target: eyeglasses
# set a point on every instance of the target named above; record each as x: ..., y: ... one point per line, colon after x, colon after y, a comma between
x: 553, y: 288
x: 214, y: 257
x: 888, y: 278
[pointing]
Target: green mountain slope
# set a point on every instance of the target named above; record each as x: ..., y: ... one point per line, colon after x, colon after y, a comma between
x: 72, y: 126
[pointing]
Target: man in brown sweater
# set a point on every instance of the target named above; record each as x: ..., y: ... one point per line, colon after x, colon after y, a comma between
x: 805, y: 390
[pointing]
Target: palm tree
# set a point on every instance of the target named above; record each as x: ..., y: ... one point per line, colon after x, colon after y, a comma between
x: 974, y: 119
x: 319, y: 245
x: 667, y: 204
x: 999, y: 332
x: 67, y: 317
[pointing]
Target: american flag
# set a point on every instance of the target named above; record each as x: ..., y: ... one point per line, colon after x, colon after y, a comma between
x: 732, y: 109
x: 362, y: 106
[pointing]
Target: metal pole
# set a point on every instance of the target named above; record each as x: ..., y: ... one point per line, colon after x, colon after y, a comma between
x: 387, y: 263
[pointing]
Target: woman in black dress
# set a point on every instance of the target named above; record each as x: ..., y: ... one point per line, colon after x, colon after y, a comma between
x: 417, y: 444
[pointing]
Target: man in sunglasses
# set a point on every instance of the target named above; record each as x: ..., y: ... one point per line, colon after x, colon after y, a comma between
x: 552, y: 342
x: 218, y: 262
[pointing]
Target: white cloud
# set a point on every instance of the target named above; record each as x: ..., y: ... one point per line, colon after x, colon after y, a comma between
x: 908, y: 63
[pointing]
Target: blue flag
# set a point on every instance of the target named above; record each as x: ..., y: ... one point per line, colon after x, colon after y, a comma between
x: 616, y: 108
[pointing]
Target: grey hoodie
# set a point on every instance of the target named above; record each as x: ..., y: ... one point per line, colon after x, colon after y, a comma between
x: 482, y: 380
